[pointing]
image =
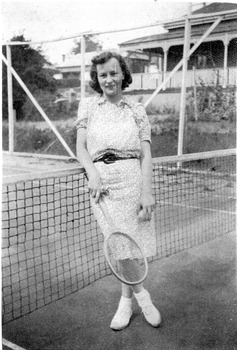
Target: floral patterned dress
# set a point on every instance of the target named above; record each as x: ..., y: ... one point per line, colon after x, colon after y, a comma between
x: 119, y: 128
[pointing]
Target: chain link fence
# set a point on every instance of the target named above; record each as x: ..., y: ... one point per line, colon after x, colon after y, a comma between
x: 210, y: 114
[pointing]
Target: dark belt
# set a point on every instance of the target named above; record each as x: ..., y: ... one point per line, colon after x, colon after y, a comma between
x: 110, y: 158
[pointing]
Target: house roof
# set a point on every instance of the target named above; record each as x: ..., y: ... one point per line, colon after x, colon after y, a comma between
x: 136, y: 54
x: 50, y: 66
x: 208, y: 12
x: 178, y: 33
x: 175, y: 29
x: 76, y: 60
x: 216, y: 7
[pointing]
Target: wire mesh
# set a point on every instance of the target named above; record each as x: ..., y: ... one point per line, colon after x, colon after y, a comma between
x: 195, y: 202
x: 210, y: 118
x: 52, y: 246
x: 50, y: 241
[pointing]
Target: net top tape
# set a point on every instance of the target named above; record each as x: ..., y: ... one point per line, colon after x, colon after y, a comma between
x: 78, y: 170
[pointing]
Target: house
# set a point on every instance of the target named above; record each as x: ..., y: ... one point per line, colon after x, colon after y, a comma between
x: 70, y: 67
x: 214, y: 61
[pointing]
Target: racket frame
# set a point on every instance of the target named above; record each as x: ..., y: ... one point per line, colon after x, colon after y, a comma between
x: 144, y: 258
x: 113, y: 230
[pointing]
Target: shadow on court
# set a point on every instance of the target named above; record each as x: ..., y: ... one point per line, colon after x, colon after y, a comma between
x: 195, y: 291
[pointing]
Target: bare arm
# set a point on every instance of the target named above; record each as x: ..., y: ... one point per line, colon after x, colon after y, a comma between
x: 94, y: 181
x: 147, y: 202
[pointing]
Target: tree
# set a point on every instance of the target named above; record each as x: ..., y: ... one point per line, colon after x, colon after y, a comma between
x: 91, y: 44
x: 31, y: 66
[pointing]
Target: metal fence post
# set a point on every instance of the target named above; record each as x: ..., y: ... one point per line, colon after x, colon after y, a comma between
x: 183, y: 88
x: 82, y: 66
x: 10, y: 101
x: 36, y: 104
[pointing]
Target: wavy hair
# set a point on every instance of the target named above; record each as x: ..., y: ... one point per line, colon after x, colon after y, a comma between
x: 102, y: 58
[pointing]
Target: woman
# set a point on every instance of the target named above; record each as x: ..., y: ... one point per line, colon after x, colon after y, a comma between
x: 110, y: 124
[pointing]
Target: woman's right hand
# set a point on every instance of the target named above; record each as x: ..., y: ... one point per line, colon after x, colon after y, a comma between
x: 95, y: 186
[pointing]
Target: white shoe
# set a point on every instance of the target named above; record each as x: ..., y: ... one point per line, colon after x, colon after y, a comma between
x: 123, y: 314
x: 149, y: 311
x: 152, y: 315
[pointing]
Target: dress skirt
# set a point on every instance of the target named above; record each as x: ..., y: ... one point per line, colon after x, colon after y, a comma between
x: 123, y: 179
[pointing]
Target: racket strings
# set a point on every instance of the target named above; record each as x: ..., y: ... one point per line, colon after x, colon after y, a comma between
x: 132, y: 270
x: 125, y: 257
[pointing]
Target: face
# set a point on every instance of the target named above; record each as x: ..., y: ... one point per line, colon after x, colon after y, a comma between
x: 110, y: 77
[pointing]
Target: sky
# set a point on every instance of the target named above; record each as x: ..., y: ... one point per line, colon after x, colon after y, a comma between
x: 46, y: 20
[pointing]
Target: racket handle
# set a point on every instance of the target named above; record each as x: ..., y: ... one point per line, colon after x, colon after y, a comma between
x: 105, y: 211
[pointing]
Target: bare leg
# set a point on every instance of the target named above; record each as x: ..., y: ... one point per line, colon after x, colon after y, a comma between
x: 132, y: 270
x: 126, y: 291
x: 137, y: 288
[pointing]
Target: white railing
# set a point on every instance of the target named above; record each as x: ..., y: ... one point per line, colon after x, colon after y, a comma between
x: 151, y: 81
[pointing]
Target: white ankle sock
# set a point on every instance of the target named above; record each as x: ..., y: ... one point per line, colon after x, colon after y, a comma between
x: 143, y: 297
x: 125, y: 301
x: 142, y: 293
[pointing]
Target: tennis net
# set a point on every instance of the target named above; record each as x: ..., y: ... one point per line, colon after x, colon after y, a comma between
x: 52, y: 246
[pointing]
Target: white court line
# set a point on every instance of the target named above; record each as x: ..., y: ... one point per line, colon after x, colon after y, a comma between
x: 84, y: 190
x: 200, y: 208
x: 11, y: 345
x: 168, y: 203
x: 202, y: 195
x: 228, y: 197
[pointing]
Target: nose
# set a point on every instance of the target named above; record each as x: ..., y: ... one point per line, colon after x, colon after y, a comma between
x: 109, y: 79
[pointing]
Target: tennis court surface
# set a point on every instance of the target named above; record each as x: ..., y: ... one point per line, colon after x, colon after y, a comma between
x: 195, y: 291
x: 57, y: 288
x: 23, y: 163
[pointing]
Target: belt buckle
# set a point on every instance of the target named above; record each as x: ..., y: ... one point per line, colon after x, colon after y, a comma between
x: 110, y: 159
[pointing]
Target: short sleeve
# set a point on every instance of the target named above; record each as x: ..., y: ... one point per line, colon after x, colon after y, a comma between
x: 82, y: 115
x: 143, y: 123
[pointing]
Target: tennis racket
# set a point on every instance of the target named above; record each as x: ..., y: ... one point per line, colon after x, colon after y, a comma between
x: 132, y: 267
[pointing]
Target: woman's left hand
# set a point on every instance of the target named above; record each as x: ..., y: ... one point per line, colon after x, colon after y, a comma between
x: 146, y: 206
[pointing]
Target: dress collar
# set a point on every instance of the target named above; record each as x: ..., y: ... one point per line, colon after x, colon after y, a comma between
x: 122, y: 102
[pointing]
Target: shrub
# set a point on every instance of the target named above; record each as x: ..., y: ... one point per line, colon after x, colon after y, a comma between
x: 214, y: 103
x: 34, y: 140
x: 47, y: 102
x: 171, y: 111
x: 196, y: 141
x: 68, y: 83
x: 151, y: 109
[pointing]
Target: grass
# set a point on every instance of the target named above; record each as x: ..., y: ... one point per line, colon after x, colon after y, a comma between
x: 164, y: 138
x: 166, y: 143
x: 34, y: 140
